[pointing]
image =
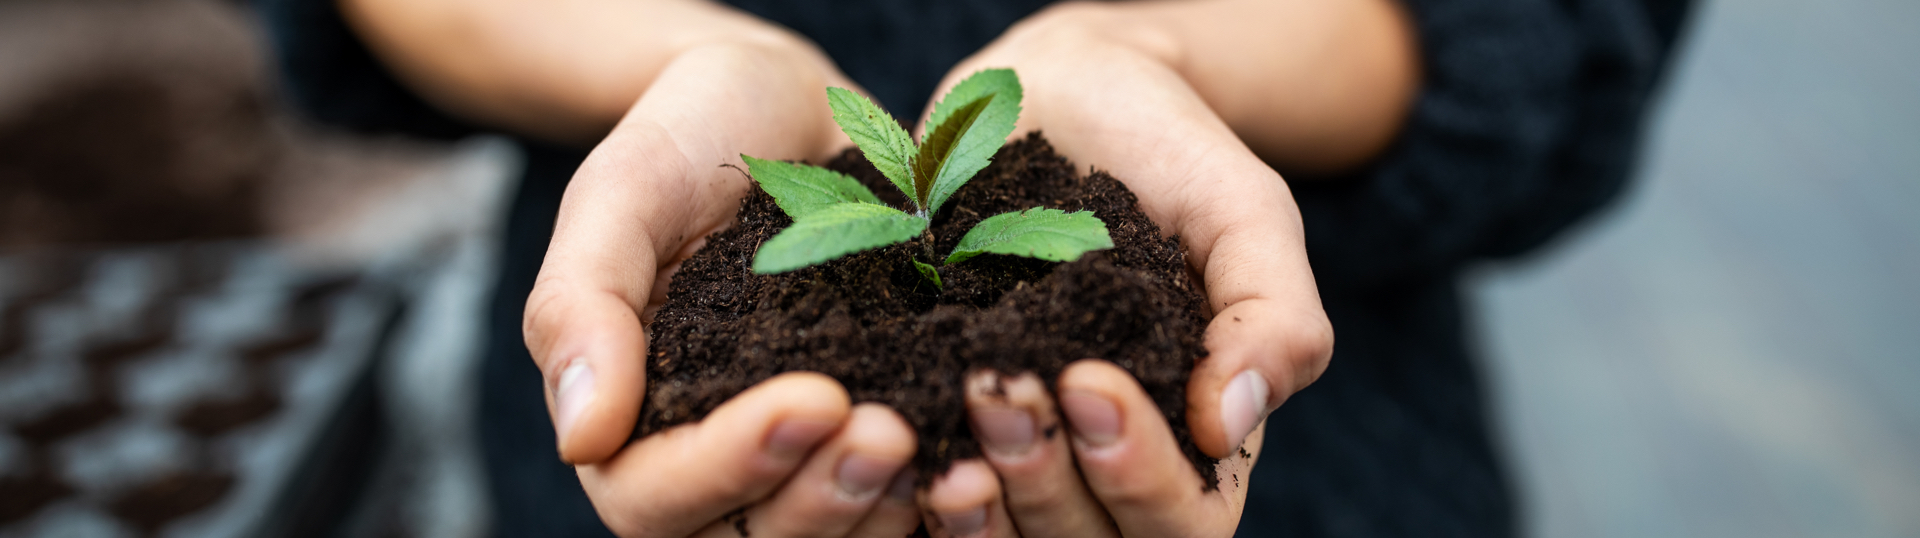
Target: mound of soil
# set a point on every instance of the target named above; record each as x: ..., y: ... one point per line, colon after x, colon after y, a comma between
x: 872, y: 322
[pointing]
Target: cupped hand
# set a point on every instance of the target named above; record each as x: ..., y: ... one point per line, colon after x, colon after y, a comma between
x: 1109, y: 93
x: 789, y: 457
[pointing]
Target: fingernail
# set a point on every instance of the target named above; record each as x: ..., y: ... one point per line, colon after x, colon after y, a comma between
x: 1005, y: 431
x: 1096, y: 421
x: 970, y: 523
x: 861, y: 477
x: 902, y: 488
x: 793, y: 438
x: 1242, y: 404
x: 571, y: 396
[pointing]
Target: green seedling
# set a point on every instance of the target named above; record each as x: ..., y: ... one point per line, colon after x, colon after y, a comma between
x: 834, y: 215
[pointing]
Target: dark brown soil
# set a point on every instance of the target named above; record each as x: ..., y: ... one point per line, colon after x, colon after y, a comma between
x: 870, y: 321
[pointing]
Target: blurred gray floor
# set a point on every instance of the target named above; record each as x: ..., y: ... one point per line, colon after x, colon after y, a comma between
x: 1735, y: 349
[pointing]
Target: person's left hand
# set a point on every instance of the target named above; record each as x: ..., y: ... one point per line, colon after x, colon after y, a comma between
x: 1106, y: 96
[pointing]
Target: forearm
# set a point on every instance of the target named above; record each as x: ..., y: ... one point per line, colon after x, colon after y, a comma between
x: 1312, y: 86
x: 564, y: 70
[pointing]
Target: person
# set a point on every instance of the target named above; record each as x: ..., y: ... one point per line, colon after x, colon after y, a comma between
x: 1415, y: 136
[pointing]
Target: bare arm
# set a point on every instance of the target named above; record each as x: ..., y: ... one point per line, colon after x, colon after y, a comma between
x: 1308, y: 85
x: 565, y: 70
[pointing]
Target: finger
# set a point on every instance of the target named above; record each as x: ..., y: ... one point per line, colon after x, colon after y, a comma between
x: 1269, y: 336
x: 965, y: 503
x: 896, y: 514
x: 1024, y: 439
x: 651, y: 186
x: 1128, y: 458
x: 582, y: 325
x: 593, y: 374
x: 671, y: 483
x: 841, y: 481
x: 1260, y: 351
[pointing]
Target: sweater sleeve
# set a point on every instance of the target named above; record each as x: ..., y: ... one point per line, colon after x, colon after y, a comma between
x: 1528, y: 119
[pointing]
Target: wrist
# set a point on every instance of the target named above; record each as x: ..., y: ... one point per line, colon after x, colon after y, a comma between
x: 768, y: 65
x: 565, y: 70
x: 1068, y: 48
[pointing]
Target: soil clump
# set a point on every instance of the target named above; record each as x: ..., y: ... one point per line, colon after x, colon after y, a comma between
x: 888, y: 335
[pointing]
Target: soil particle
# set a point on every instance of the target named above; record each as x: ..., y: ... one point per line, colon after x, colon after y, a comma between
x: 872, y: 322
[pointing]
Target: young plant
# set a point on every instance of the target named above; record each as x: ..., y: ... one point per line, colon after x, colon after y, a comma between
x: 834, y: 215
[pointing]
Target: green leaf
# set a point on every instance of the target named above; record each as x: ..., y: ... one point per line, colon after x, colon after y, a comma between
x: 801, y: 189
x: 929, y: 272
x: 834, y: 231
x: 1047, y: 234
x: 982, y: 83
x: 937, y: 151
x: 881, y: 139
x: 968, y: 125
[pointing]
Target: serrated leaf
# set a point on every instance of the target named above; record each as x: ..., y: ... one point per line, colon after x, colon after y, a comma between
x: 834, y: 231
x: 938, y: 151
x: 963, y: 133
x: 1047, y: 234
x: 801, y: 189
x: 880, y: 138
x: 929, y: 272
x: 981, y: 83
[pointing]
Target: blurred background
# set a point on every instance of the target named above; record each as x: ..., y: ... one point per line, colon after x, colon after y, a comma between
x: 1734, y: 348
x: 219, y: 320
x: 215, y: 319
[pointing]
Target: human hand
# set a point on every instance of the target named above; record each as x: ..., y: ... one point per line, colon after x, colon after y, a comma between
x: 1108, y: 467
x: 788, y: 456
x: 1113, y: 92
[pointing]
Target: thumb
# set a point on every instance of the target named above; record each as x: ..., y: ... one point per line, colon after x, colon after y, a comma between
x: 1260, y: 351
x: 590, y: 348
x: 582, y: 322
x: 1269, y: 336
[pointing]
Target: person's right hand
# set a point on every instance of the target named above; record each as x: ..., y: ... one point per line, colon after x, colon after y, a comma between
x: 788, y: 457
x: 672, y: 90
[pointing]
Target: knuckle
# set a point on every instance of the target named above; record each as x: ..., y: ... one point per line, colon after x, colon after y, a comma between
x: 823, y: 521
x: 813, y: 510
x: 1133, y: 494
x: 1054, y: 19
x: 541, y: 316
x: 1311, y: 348
x: 539, y: 306
x: 1125, y: 488
x: 737, y: 488
x: 1056, y: 28
x: 1080, y: 24
x: 1044, y: 500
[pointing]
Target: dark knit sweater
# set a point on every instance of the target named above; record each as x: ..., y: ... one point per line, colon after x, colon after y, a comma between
x: 1528, y: 119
